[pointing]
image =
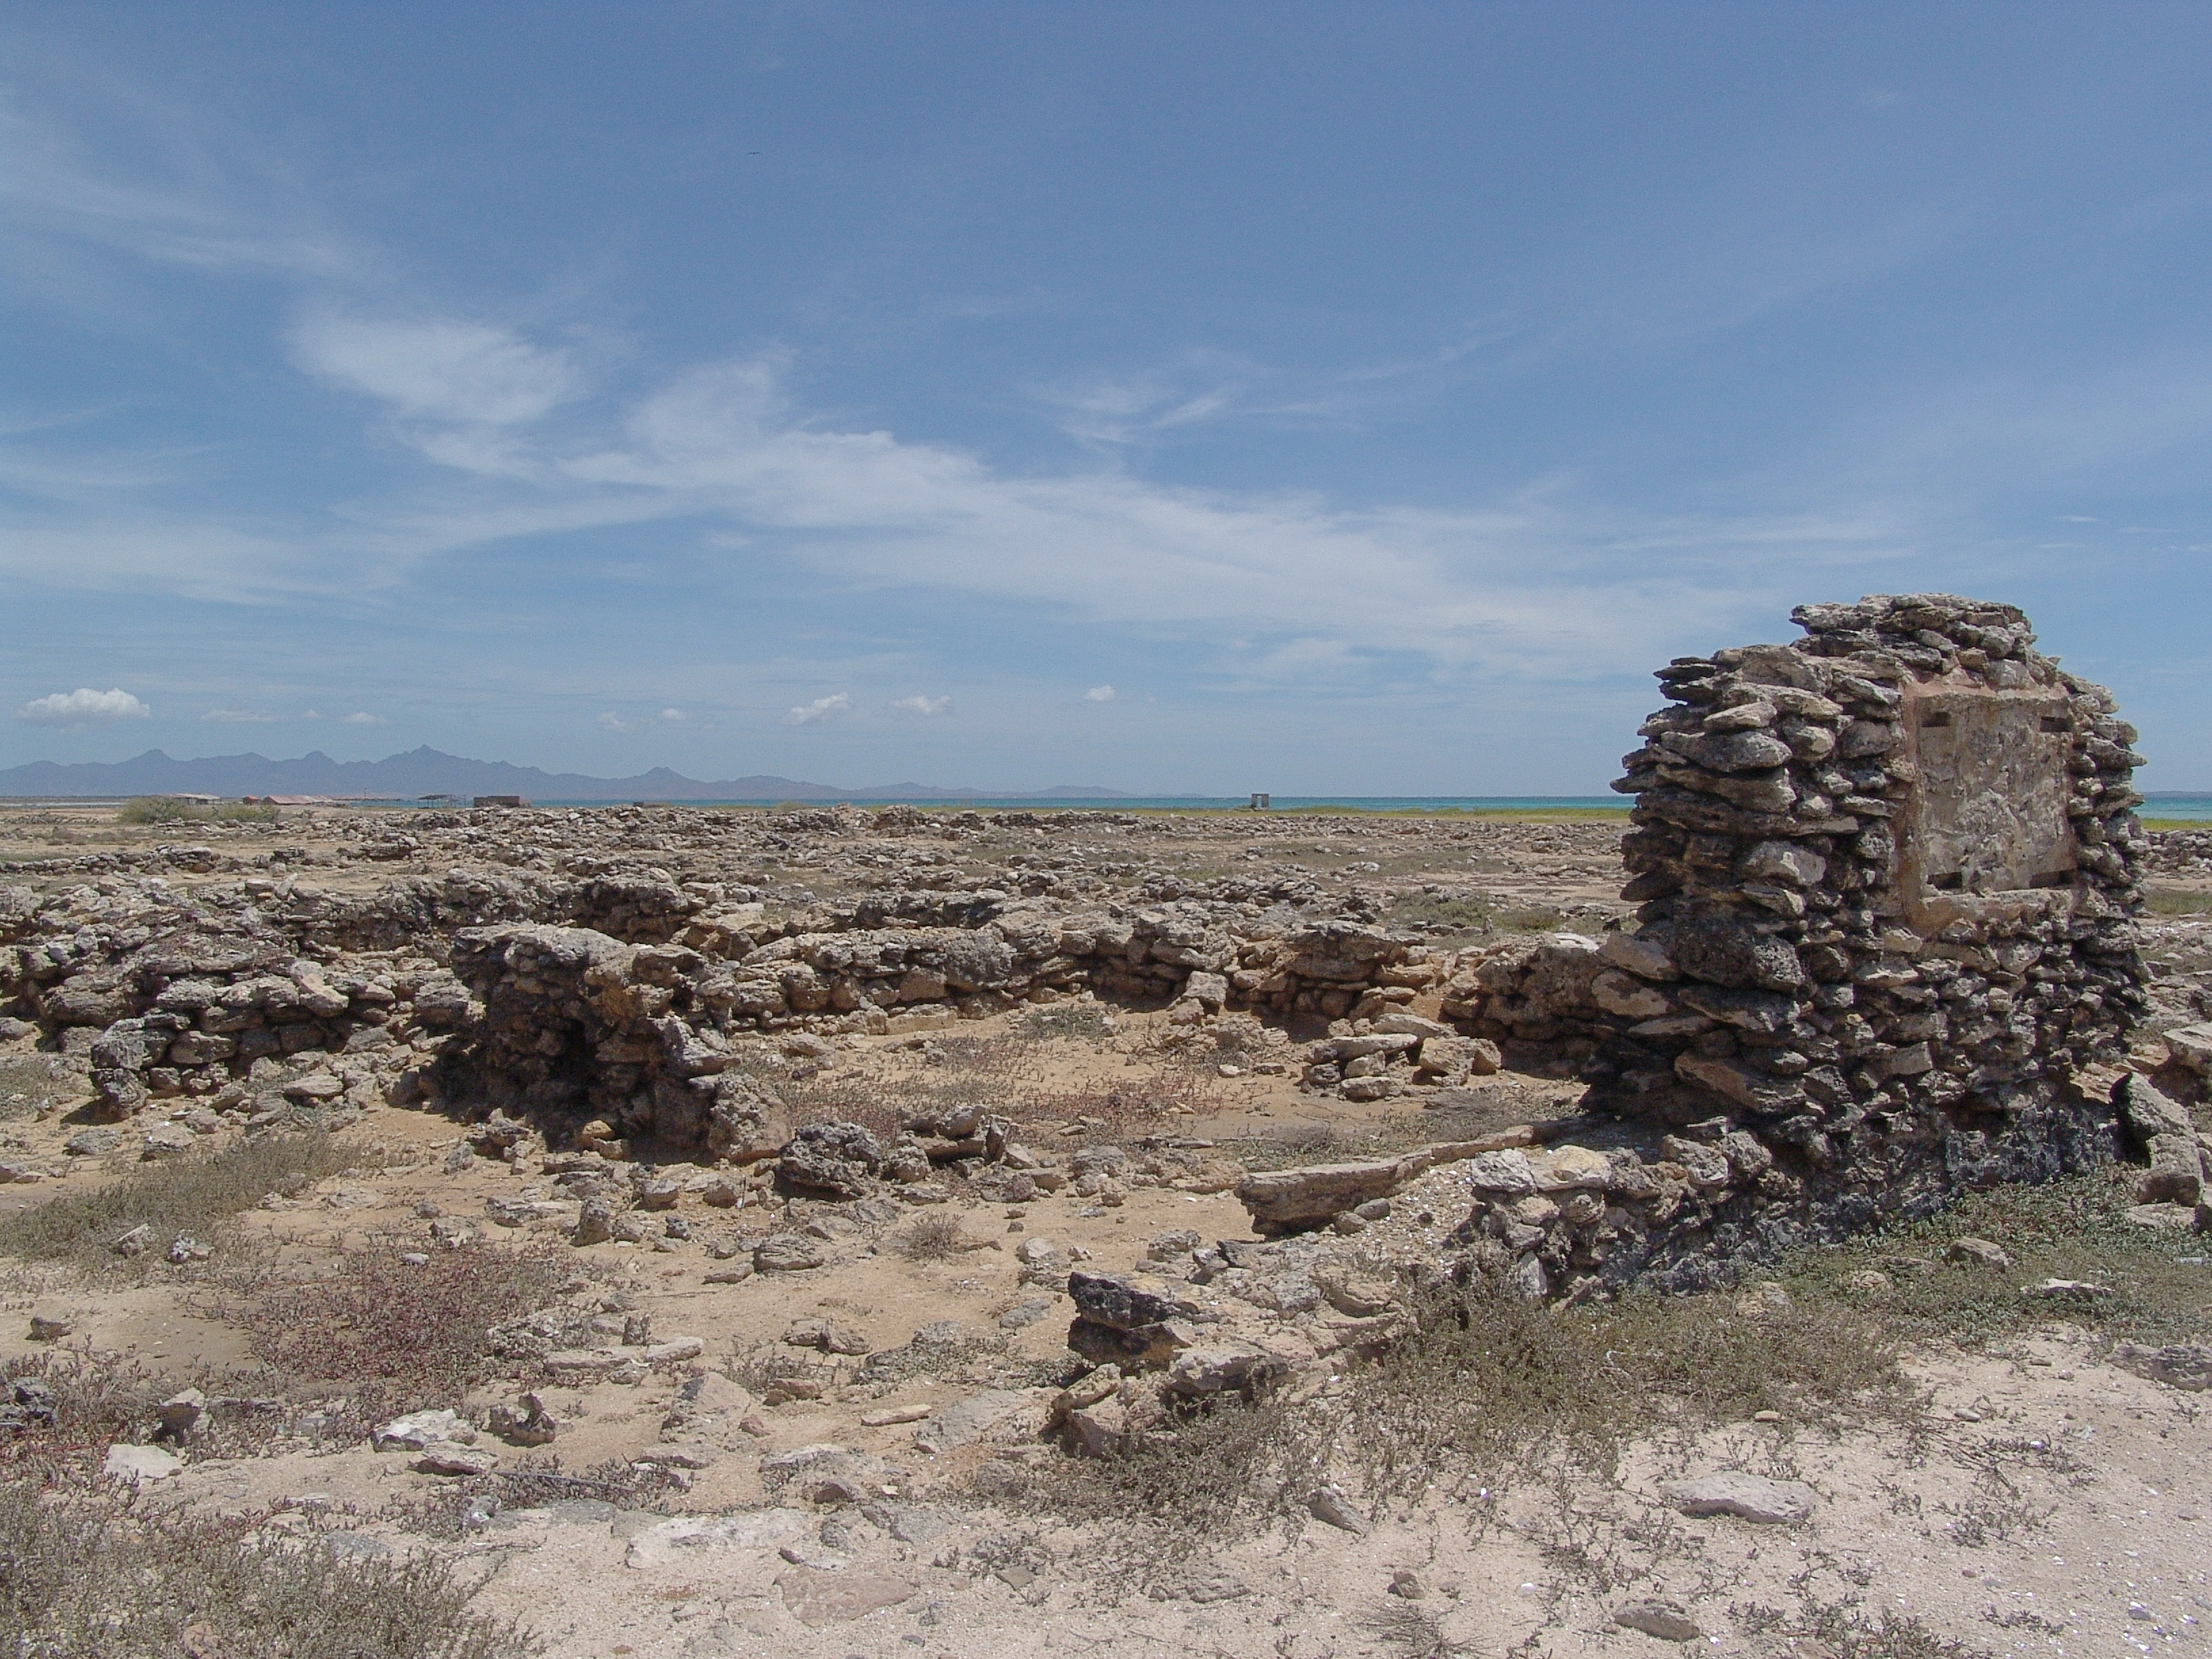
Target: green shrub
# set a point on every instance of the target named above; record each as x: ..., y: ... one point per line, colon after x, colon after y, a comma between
x: 157, y: 809
x: 167, y: 809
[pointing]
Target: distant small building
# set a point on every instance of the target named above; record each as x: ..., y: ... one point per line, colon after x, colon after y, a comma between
x: 287, y: 801
x: 1260, y: 803
x: 499, y: 801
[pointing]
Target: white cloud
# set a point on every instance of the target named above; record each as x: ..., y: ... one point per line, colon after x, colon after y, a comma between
x: 238, y: 715
x: 613, y: 722
x: 439, y: 369
x: 83, y: 707
x: 1100, y: 694
x: 1529, y: 584
x: 821, y: 708
x: 360, y: 717
x: 923, y: 705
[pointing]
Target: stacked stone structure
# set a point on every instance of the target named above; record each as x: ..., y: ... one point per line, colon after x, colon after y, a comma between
x: 1885, y: 877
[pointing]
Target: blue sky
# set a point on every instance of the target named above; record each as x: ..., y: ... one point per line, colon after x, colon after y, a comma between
x: 1330, y: 399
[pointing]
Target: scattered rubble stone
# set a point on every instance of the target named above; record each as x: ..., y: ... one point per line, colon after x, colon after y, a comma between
x: 1330, y: 1504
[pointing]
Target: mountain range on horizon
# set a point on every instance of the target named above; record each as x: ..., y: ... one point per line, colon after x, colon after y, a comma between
x: 428, y: 771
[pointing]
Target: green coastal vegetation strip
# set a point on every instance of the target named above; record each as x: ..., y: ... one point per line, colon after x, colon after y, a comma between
x: 164, y: 809
x: 194, y: 1195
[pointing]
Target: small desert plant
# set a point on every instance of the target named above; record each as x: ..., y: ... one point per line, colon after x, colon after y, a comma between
x: 86, y: 1580
x: 193, y: 1195
x: 765, y: 1365
x: 1083, y: 1019
x: 1895, y: 1636
x: 933, y: 1237
x: 93, y: 1405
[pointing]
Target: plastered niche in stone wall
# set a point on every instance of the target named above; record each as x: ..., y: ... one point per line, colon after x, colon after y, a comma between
x: 1984, y: 830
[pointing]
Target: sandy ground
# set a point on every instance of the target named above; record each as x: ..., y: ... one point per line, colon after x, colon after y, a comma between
x: 2051, y: 1503
x: 2053, y: 1506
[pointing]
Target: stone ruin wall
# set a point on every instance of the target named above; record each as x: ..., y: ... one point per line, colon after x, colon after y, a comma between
x: 1884, y: 878
x: 580, y: 1030
x: 1884, y: 953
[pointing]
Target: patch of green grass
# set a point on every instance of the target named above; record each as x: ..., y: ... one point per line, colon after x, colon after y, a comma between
x: 1459, y: 916
x: 1471, y: 917
x: 90, y: 1580
x: 2177, y: 902
x: 194, y: 1195
x: 1485, y: 1386
x: 31, y: 1083
x: 2074, y: 1230
x: 1529, y: 919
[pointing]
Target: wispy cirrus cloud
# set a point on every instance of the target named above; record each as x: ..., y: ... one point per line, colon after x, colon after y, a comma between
x: 162, y: 181
x: 438, y: 369
x: 519, y: 440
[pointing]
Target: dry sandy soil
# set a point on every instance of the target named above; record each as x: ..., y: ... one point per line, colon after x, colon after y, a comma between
x: 2038, y: 1498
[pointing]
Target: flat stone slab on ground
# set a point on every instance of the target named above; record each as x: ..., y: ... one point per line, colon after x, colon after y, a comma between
x: 823, y: 1598
x: 686, y: 1538
x: 1753, y: 1497
x: 139, y: 1464
x: 969, y: 1420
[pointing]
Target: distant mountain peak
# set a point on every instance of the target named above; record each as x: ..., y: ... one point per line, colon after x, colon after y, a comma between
x: 426, y: 771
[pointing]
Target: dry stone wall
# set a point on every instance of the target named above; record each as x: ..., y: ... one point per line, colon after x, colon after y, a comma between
x: 1887, y: 878
x: 1884, y: 952
x: 578, y: 1029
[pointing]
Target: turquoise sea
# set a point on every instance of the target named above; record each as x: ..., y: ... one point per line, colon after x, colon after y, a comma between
x: 2193, y: 807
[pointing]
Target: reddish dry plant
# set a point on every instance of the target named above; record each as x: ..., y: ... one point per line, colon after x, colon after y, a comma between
x: 398, y: 1335
x: 95, y: 1407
